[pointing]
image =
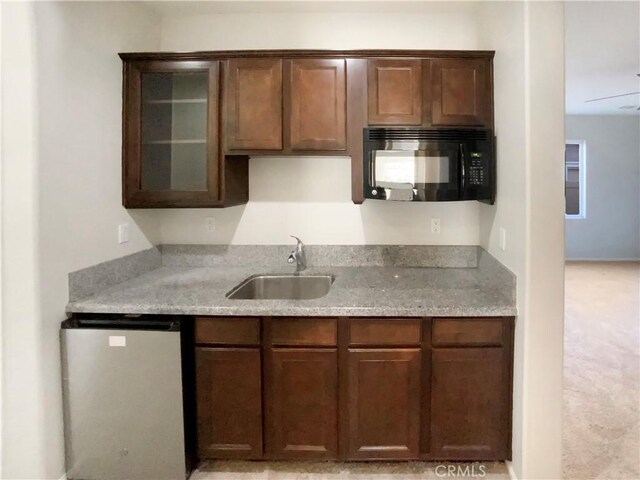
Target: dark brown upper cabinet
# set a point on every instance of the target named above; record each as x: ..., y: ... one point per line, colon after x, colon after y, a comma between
x: 254, y: 104
x: 170, y: 155
x: 191, y: 120
x: 395, y: 92
x: 461, y: 92
x: 318, y: 107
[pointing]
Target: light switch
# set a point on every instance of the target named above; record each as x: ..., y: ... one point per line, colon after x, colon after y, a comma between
x: 503, y: 239
x: 123, y: 233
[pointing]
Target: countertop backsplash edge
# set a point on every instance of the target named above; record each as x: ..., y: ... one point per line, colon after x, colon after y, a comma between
x: 434, y: 256
x: 88, y: 281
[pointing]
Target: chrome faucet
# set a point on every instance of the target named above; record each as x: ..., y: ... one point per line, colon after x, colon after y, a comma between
x: 298, y: 256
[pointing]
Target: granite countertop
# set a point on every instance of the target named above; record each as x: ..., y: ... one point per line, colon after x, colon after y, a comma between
x: 357, y: 291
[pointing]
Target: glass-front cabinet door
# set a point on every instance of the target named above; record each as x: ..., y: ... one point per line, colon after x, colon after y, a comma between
x: 171, y: 134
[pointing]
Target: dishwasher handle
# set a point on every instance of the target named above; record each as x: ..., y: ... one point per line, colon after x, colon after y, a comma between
x: 123, y: 323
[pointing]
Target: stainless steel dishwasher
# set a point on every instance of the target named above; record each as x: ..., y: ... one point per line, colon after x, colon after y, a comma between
x: 128, y: 397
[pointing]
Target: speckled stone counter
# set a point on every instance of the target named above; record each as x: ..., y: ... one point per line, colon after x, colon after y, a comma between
x: 182, y: 286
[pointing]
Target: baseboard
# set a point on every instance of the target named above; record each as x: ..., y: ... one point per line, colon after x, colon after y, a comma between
x: 602, y: 259
x: 512, y: 473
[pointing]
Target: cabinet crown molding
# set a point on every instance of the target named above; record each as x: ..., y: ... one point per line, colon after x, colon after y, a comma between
x: 226, y: 54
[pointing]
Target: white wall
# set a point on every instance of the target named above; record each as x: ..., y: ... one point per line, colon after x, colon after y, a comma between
x: 504, y: 32
x: 611, y: 229
x: 60, y: 198
x: 1, y: 308
x: 437, y: 26
x: 22, y: 403
x: 529, y: 100
x: 311, y: 197
x: 544, y: 302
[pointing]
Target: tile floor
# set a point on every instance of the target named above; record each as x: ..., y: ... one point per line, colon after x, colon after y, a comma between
x: 346, y: 471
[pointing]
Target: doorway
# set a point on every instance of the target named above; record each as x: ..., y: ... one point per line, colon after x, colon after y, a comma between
x: 601, y: 410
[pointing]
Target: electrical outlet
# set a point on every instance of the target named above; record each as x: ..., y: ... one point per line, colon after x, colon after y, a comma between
x: 210, y: 224
x: 123, y: 233
x: 435, y: 225
x: 503, y: 239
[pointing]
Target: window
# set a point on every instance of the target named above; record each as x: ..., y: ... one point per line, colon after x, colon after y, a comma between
x: 574, y: 179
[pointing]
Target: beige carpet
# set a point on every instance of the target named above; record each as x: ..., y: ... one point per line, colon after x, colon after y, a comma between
x: 347, y: 471
x: 602, y: 371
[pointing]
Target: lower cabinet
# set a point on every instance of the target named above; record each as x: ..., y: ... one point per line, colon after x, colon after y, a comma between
x: 384, y: 403
x: 470, y: 404
x: 471, y: 376
x: 301, y: 403
x: 354, y: 389
x: 229, y: 402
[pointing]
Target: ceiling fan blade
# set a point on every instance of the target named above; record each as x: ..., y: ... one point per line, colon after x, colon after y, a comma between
x: 612, y: 96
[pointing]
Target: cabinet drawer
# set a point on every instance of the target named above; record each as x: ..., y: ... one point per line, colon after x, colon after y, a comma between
x: 228, y: 331
x: 472, y: 332
x: 385, y: 331
x: 304, y: 331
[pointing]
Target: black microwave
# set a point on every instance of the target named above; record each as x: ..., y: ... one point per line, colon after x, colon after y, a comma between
x: 429, y: 165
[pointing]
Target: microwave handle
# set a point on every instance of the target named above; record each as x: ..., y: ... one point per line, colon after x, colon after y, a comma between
x: 462, y: 169
x: 372, y: 170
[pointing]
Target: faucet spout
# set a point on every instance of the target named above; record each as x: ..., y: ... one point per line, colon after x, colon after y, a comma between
x: 298, y: 255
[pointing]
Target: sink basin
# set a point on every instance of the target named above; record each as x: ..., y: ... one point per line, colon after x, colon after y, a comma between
x: 282, y: 287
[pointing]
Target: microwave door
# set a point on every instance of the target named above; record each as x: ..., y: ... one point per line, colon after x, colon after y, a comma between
x: 393, y: 172
x: 431, y: 175
x: 443, y: 183
x: 433, y: 172
x: 448, y: 187
x: 437, y: 164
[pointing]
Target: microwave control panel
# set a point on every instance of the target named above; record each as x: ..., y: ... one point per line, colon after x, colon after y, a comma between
x: 477, y: 170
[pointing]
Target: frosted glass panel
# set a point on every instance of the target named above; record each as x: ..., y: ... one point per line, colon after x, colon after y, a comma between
x: 174, y: 131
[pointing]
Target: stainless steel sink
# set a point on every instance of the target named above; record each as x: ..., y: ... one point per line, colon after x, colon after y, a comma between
x: 282, y: 287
